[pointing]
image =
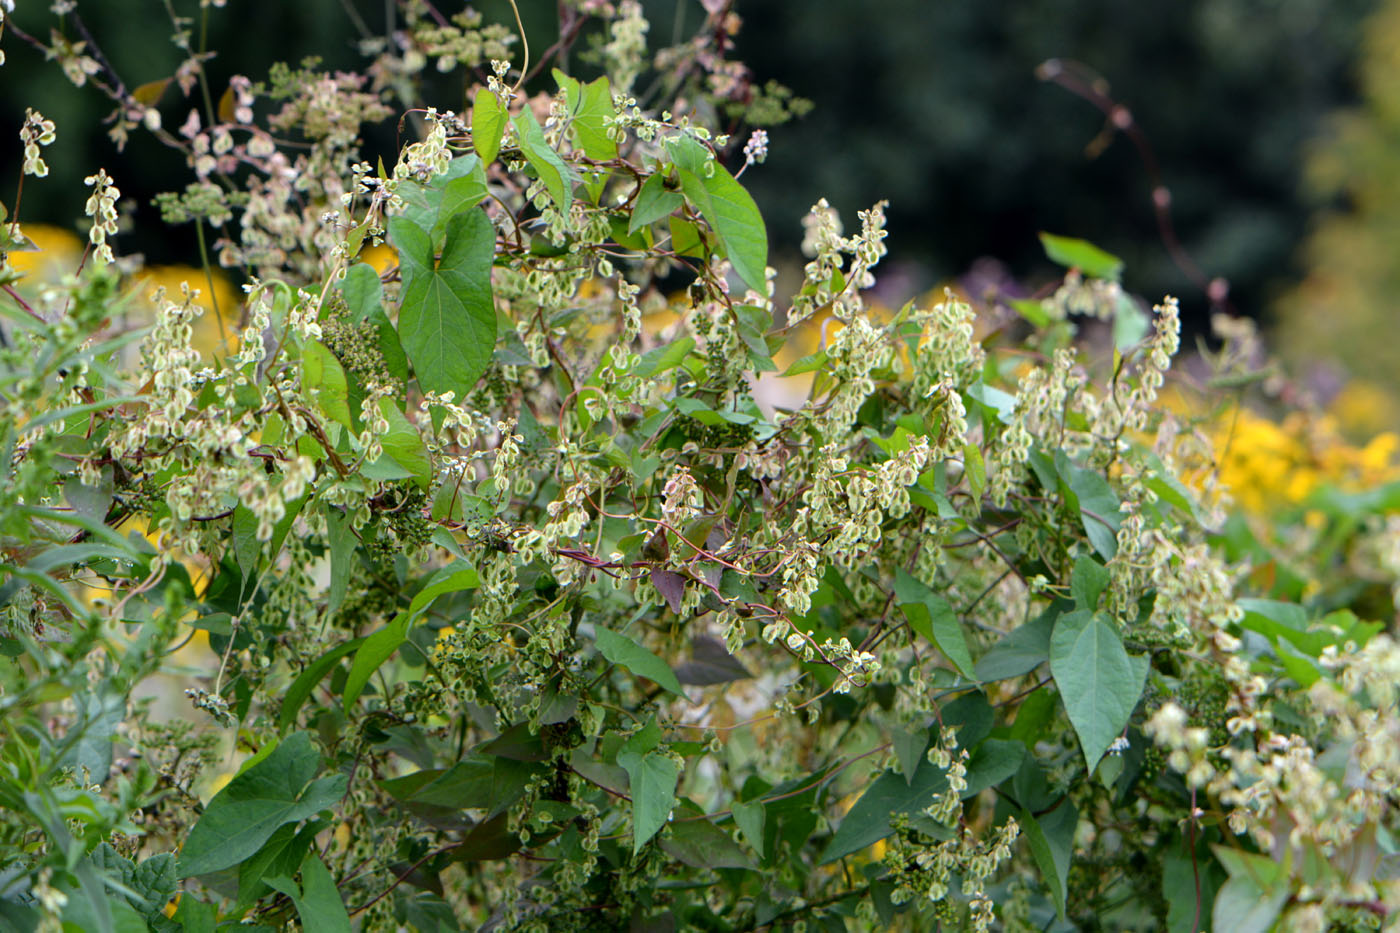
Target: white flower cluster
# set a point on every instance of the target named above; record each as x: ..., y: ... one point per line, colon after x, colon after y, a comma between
x: 1099, y: 298
x: 856, y: 666
x: 682, y: 500
x: 829, y: 283
x: 1130, y: 412
x: 102, y: 208
x: 421, y: 161
x: 35, y: 132
x: 756, y: 149
x: 624, y: 54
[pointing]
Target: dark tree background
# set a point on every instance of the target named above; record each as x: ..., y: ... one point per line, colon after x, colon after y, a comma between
x: 932, y: 105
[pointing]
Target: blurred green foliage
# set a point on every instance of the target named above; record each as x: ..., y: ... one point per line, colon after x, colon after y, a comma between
x: 1330, y: 322
x: 1227, y: 91
x: 985, y: 156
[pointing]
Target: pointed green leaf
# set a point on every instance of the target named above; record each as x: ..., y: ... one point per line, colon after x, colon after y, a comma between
x: 665, y: 358
x: 809, y: 363
x: 1099, y: 509
x: 1051, y: 839
x: 431, y: 205
x: 1088, y: 581
x: 727, y: 208
x: 548, y: 165
x: 1099, y: 682
x: 652, y: 784
x: 477, y: 782
x: 320, y: 906
x: 1082, y: 255
x: 654, y: 202
x: 1242, y: 906
x: 364, y: 295
x: 889, y: 795
x: 100, y: 710
x: 281, y: 788
x: 749, y: 817
x: 488, y: 123
x: 590, y: 107
x: 909, y: 748
x: 976, y: 470
x: 1130, y: 324
x: 376, y: 649
x: 1021, y: 651
x: 623, y: 651
x: 194, y: 915
x: 362, y: 290
x: 450, y: 579
x: 308, y: 679
x: 1030, y: 309
x: 447, y: 317
x: 1180, y: 876
x: 342, y: 541
x: 324, y: 378
x: 701, y: 844
x: 403, y: 446
x: 932, y: 617
x: 994, y: 761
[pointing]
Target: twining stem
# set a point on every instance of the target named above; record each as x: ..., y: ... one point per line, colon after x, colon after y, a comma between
x: 525, y: 46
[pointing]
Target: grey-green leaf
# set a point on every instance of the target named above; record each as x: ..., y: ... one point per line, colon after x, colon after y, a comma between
x: 1051, y: 839
x: 994, y: 761
x: 621, y: 650
x: 282, y: 788
x: 1098, y: 506
x: 932, y: 617
x: 1099, y: 682
x: 447, y: 317
x: 652, y: 783
x: 869, y: 820
x: 1020, y: 652
x: 100, y: 711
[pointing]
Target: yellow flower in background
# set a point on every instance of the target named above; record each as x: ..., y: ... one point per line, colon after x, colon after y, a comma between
x: 58, y: 254
x: 214, y: 333
x: 1268, y: 464
x: 382, y: 257
x: 1364, y: 408
x: 60, y: 251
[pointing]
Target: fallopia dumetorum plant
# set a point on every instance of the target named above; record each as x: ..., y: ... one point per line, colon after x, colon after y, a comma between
x: 526, y: 612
